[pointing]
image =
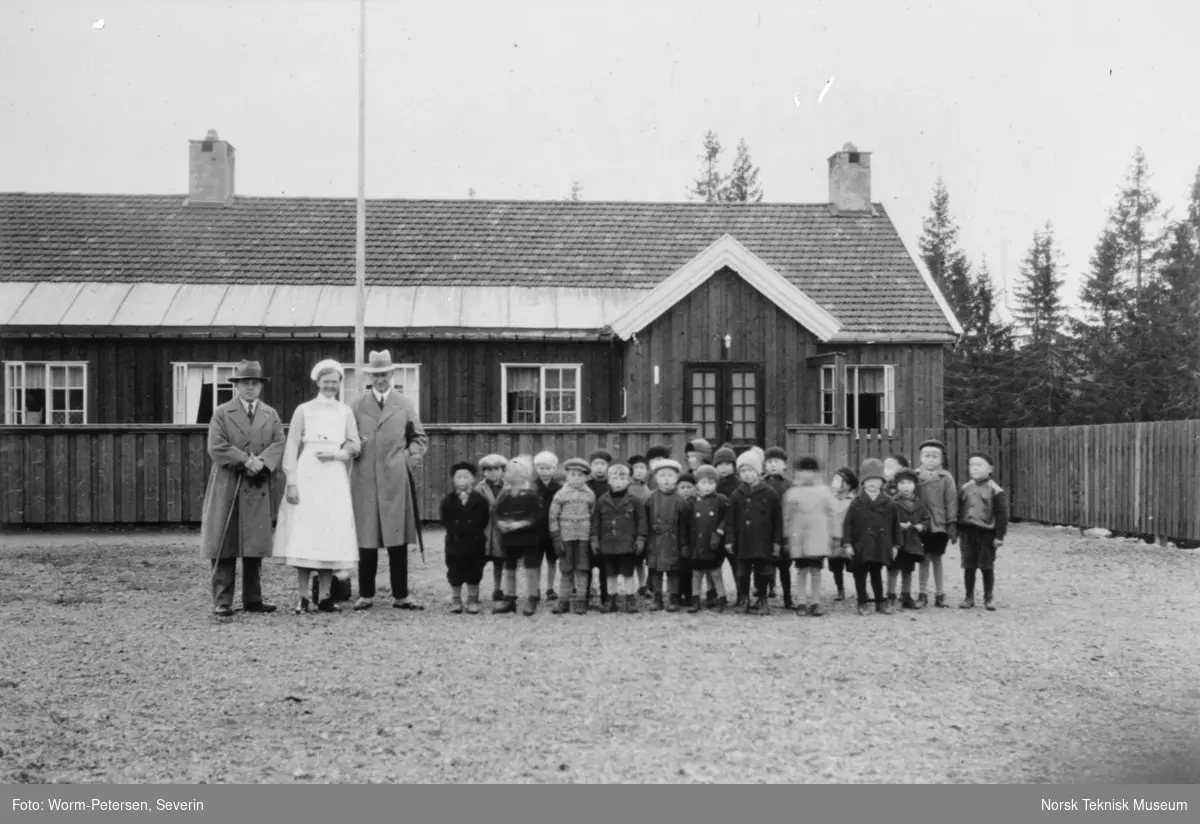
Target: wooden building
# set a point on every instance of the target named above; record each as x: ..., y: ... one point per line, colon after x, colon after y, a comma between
x: 742, y: 318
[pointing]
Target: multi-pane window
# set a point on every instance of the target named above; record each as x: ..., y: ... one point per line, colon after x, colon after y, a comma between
x: 406, y: 380
x: 199, y: 389
x: 540, y: 393
x: 828, y: 388
x: 38, y: 393
x: 744, y: 404
x: 704, y: 404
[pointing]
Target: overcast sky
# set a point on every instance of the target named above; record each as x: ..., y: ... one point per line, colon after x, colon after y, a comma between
x: 1030, y: 111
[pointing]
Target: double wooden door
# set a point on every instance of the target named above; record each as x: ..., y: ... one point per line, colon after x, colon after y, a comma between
x: 725, y: 402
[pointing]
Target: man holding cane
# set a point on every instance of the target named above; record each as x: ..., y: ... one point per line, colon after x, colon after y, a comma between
x: 245, y: 442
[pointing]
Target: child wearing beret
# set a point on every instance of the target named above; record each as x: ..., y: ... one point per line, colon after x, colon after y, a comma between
x: 844, y: 487
x: 982, y: 525
x: 465, y: 516
x: 872, y: 533
x: 775, y: 467
x: 618, y: 537
x: 492, y: 468
x: 939, y: 494
x: 571, y: 530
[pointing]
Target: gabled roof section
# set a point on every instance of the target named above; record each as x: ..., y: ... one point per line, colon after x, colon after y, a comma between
x: 855, y: 266
x: 727, y: 251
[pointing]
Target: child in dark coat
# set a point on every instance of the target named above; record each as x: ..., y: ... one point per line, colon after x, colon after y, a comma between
x: 872, y: 532
x: 982, y: 525
x: 914, y: 521
x: 775, y: 465
x: 518, y: 511
x: 892, y: 465
x: 755, y: 536
x: 706, y: 516
x: 547, y: 486
x: 465, y: 516
x: 618, y: 537
x: 598, y: 483
x: 665, y: 516
x: 725, y: 462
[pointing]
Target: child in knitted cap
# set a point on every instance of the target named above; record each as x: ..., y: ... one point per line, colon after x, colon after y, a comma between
x: 547, y: 486
x: 518, y: 511
x: 756, y: 529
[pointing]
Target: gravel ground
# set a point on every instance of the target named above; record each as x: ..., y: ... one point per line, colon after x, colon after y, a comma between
x: 114, y: 671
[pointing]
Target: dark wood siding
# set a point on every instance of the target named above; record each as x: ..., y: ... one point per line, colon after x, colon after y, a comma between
x: 130, y: 380
x: 918, y: 377
x: 694, y: 331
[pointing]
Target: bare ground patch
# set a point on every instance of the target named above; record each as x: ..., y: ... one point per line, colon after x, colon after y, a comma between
x: 113, y: 671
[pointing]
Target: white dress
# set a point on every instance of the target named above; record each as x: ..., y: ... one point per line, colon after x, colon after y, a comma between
x: 319, y: 532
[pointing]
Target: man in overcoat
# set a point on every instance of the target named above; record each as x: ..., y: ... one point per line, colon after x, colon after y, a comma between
x: 381, y: 484
x: 245, y: 442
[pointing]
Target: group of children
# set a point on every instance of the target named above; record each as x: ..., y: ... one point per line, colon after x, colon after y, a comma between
x: 657, y: 532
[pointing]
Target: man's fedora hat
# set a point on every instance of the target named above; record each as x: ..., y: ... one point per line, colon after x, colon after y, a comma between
x: 248, y: 370
x: 380, y: 362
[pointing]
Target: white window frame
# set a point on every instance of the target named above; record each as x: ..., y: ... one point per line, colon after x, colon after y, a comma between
x: 412, y: 389
x: 14, y: 414
x: 542, y: 367
x: 829, y: 385
x: 889, y: 394
x: 179, y: 371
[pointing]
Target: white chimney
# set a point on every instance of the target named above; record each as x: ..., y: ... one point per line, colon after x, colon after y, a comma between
x: 210, y: 171
x: 850, y: 180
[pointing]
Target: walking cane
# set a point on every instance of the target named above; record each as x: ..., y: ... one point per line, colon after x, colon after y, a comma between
x: 412, y: 492
x: 236, y: 488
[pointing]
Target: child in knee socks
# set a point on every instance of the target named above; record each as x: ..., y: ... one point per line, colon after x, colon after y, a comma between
x: 982, y: 525
x: 491, y: 487
x: 939, y: 493
x: 844, y: 487
x: 872, y: 532
x: 618, y: 536
x: 664, y: 514
x: 547, y: 486
x: 706, y: 516
x: 571, y: 530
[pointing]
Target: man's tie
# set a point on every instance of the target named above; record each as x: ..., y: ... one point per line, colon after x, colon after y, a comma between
x: 250, y: 411
x: 379, y: 400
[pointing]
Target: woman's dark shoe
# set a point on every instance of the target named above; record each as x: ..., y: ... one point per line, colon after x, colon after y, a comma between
x: 327, y: 605
x: 259, y: 606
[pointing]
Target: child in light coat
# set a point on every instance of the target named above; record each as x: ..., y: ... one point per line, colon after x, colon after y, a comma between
x: 939, y: 493
x: 809, y: 510
x: 491, y: 487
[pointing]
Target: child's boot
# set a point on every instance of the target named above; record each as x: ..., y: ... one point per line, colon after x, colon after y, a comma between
x: 456, y: 605
x: 507, y: 605
x: 891, y: 599
x: 711, y: 598
x: 531, y: 605
x: 696, y: 606
x: 907, y: 602
x: 613, y: 605
x: 815, y: 611
x: 497, y: 595
x: 881, y: 606
x: 579, y: 605
x: 563, y: 606
x: 989, y: 604
x: 788, y: 603
x: 939, y: 601
x: 968, y: 603
x: 922, y: 600
x: 841, y: 593
x: 657, y: 606
x: 643, y: 592
x: 764, y: 606
x: 673, y: 603
x: 862, y: 607
x: 472, y: 605
x: 551, y: 595
x: 722, y: 604
x: 631, y: 604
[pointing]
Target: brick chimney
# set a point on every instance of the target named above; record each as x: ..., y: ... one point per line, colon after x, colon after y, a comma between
x: 210, y: 172
x: 850, y: 180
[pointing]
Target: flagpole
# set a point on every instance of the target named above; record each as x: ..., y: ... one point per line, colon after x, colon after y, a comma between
x: 360, y: 261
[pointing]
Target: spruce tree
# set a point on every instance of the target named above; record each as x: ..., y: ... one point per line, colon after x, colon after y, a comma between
x: 1041, y: 397
x: 742, y: 184
x: 1137, y: 224
x: 710, y: 184
x: 946, y: 262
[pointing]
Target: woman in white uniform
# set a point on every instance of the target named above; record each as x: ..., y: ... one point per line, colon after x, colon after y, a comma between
x: 316, y: 529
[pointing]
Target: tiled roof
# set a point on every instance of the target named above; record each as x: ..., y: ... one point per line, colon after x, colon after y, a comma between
x: 855, y: 266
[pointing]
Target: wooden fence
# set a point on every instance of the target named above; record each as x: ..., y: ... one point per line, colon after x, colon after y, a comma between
x: 1142, y: 478
x: 158, y: 474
